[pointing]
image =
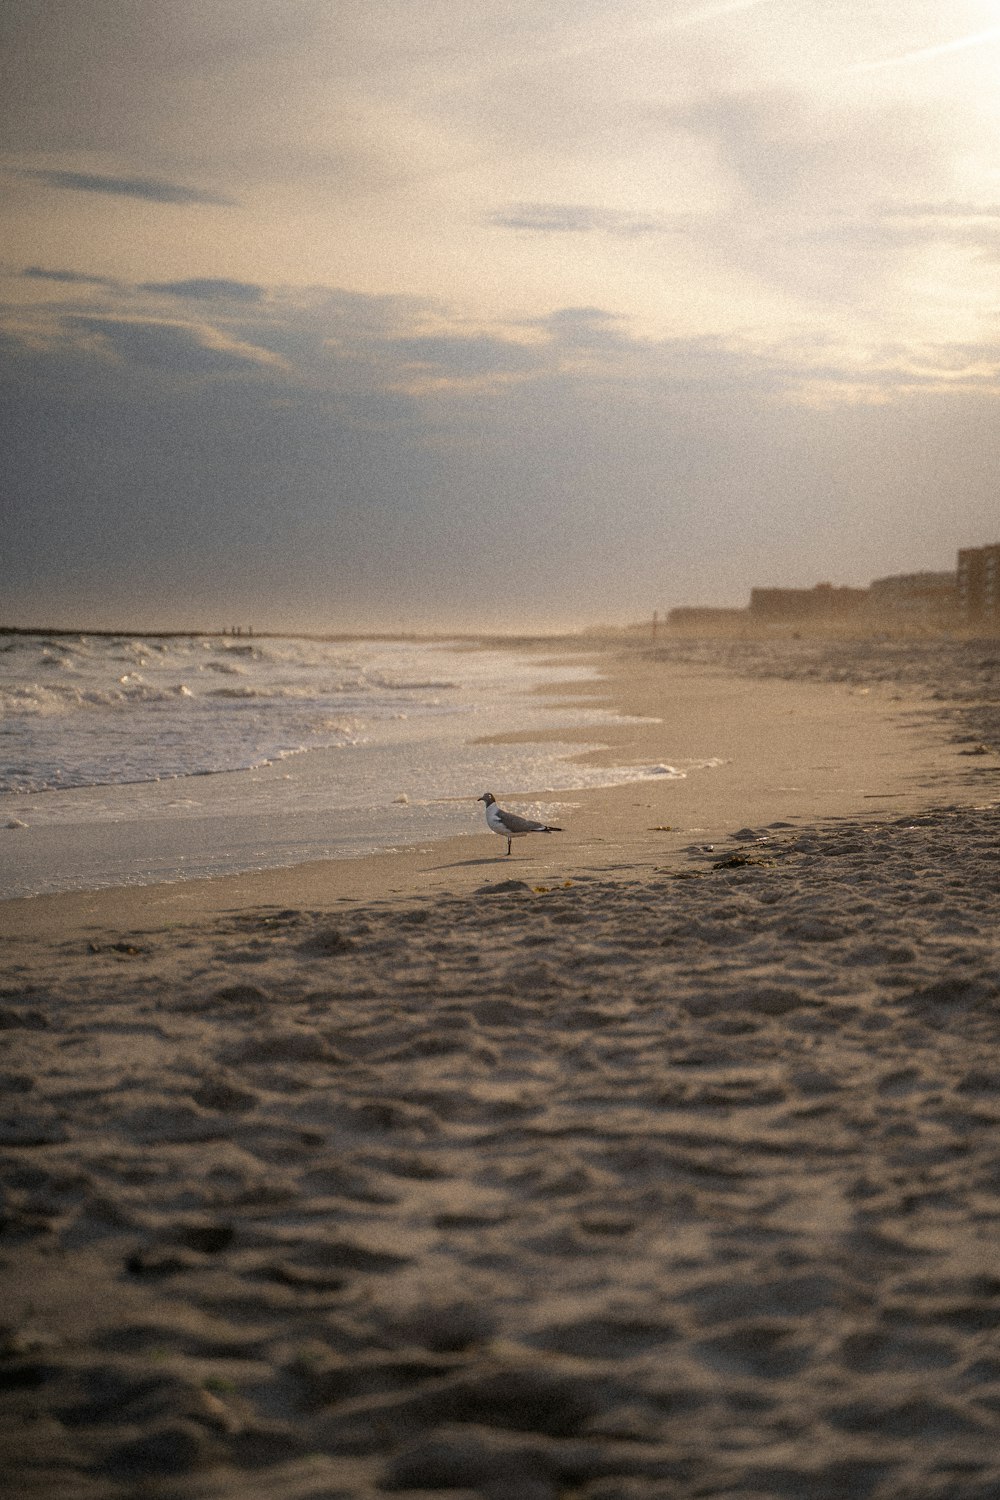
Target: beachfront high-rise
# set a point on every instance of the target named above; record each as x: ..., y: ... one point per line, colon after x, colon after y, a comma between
x: 979, y: 584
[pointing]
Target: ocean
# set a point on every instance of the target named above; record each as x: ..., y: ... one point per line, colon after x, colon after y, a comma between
x: 131, y: 759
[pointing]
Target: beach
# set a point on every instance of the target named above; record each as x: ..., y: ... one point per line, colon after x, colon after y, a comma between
x: 655, y: 1161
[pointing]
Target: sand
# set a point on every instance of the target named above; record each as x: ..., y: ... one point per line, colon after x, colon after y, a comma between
x: 656, y: 1161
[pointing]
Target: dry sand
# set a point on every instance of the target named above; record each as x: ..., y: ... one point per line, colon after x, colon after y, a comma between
x: 626, y: 1168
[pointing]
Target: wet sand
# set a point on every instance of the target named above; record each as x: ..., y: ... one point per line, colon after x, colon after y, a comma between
x: 656, y: 1161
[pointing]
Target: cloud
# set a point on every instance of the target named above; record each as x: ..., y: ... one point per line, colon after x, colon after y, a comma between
x: 788, y: 152
x: 577, y: 218
x: 918, y: 55
x: 344, y: 485
x: 174, y: 347
x: 69, y: 278
x: 806, y: 188
x: 150, y: 189
x: 962, y: 225
x: 208, y: 289
x: 347, y: 345
x: 586, y: 328
x: 944, y: 210
x: 463, y: 357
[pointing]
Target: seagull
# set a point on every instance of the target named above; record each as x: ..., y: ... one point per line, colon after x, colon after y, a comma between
x: 508, y: 825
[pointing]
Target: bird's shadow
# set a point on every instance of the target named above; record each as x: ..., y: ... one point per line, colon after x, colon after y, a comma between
x: 462, y: 864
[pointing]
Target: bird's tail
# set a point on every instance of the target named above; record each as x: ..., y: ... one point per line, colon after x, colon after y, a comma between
x: 551, y: 828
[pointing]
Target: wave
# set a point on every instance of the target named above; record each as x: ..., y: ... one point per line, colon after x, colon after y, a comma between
x: 128, y: 710
x: 277, y: 694
x: 60, y: 699
x: 37, y: 699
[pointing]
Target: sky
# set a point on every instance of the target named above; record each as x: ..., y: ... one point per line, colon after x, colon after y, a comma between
x: 490, y: 314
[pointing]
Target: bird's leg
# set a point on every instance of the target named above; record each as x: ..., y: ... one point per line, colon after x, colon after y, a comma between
x: 509, y: 842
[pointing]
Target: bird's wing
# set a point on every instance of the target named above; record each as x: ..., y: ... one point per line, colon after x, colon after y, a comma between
x: 514, y: 824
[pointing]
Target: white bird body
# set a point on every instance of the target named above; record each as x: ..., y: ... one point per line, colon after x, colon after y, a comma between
x: 508, y: 825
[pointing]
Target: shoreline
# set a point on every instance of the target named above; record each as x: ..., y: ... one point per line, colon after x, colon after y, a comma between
x: 788, y: 750
x: 389, y: 757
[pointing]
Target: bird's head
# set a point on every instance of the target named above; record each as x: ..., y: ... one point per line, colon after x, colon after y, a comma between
x: 487, y: 797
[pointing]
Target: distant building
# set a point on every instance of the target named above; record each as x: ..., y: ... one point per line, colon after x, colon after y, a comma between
x: 823, y: 602
x: 706, y: 618
x: 978, y: 584
x: 928, y: 597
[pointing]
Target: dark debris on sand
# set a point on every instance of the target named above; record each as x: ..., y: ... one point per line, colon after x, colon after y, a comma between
x: 612, y: 1191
